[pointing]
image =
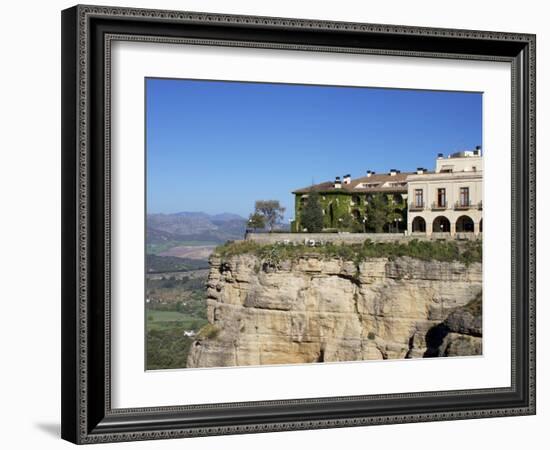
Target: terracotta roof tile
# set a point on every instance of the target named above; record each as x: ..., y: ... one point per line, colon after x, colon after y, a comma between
x: 356, y: 184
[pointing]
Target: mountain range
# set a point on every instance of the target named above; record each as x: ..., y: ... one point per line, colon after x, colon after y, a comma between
x: 194, y: 226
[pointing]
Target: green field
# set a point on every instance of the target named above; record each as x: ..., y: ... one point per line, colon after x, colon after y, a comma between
x: 167, y: 345
x: 163, y: 320
x: 176, y: 306
x: 164, y: 264
x: 154, y: 249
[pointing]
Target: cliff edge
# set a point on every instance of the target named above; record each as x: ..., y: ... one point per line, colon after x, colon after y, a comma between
x: 314, y: 308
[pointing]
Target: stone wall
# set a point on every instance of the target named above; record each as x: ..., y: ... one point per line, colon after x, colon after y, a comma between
x: 349, y: 238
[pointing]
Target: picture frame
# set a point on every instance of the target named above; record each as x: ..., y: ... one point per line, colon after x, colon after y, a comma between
x: 87, y: 412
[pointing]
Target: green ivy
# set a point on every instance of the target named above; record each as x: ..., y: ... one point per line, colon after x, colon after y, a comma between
x: 339, y: 210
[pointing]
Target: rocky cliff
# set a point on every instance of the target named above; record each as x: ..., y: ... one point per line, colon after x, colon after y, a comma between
x: 314, y: 309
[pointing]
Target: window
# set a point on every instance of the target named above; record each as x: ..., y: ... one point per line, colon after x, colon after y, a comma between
x: 418, y: 198
x: 464, y: 196
x: 441, y: 198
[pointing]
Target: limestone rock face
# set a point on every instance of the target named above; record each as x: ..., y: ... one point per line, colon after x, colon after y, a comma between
x: 459, y: 334
x: 320, y: 310
x: 456, y: 344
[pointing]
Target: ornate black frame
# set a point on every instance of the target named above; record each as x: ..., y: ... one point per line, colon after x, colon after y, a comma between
x: 87, y: 416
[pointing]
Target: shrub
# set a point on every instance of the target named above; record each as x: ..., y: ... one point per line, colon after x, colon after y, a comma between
x: 167, y: 349
x: 273, y: 254
x: 231, y: 248
x: 209, y: 331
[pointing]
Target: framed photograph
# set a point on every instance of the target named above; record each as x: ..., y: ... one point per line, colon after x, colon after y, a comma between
x: 278, y: 224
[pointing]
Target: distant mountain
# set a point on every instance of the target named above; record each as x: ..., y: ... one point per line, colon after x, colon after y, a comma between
x: 225, y: 217
x: 194, y: 226
x: 186, y: 214
x: 197, y: 214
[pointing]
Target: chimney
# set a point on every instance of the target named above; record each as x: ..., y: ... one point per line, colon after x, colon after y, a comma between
x: 419, y: 170
x: 369, y: 173
x: 347, y: 179
x: 337, y: 183
x: 392, y: 172
x: 439, y: 155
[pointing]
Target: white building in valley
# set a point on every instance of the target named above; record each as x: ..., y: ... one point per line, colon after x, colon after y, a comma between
x: 449, y: 200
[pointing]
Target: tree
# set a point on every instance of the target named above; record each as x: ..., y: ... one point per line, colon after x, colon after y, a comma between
x: 271, y: 210
x: 256, y: 221
x: 379, y: 213
x: 312, y: 214
x: 346, y: 222
x: 349, y: 222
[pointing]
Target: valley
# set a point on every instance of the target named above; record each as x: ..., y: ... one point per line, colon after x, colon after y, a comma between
x: 178, y: 247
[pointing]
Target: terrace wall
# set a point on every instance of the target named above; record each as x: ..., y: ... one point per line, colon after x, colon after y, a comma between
x: 350, y: 238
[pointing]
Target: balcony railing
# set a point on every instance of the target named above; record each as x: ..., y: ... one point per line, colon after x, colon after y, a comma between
x: 463, y: 204
x: 436, y: 206
x: 416, y: 206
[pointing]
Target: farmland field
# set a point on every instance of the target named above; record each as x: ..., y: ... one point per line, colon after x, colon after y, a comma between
x: 162, y: 320
x: 175, y: 311
x: 160, y: 247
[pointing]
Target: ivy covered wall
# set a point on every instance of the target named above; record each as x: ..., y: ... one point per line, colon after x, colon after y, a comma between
x: 345, y: 211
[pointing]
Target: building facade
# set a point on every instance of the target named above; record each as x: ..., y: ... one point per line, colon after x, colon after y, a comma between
x: 445, y: 202
x: 448, y: 200
x: 344, y: 201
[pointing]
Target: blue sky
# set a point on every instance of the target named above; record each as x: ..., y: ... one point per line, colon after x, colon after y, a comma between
x: 218, y: 146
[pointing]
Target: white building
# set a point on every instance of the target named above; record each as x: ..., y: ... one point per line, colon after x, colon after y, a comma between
x: 449, y: 200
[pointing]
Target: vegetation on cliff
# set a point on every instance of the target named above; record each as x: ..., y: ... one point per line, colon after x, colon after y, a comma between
x: 466, y: 252
x: 209, y: 331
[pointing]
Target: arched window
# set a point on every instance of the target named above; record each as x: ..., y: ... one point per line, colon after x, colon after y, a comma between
x: 464, y: 224
x: 418, y: 225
